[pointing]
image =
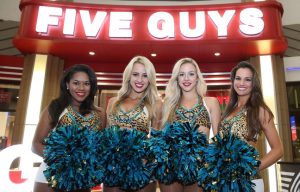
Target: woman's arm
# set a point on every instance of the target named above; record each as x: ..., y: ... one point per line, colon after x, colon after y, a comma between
x: 215, y: 112
x: 42, y: 131
x: 273, y: 139
x: 108, y: 109
x: 156, y: 122
x: 102, y: 115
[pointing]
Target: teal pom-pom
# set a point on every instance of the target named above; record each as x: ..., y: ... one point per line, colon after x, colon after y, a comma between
x: 177, y: 151
x: 71, y: 153
x: 191, y: 145
x: 230, y: 165
x: 159, y: 152
x: 124, y: 158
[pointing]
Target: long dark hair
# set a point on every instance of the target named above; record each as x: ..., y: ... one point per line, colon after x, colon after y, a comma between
x: 57, y: 105
x: 253, y: 104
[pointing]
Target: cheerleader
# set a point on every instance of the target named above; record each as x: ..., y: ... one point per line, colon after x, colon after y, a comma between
x: 137, y: 107
x: 74, y: 108
x: 185, y: 102
x: 247, y: 115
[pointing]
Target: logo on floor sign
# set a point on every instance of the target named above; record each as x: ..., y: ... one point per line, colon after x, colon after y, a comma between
x: 23, y: 178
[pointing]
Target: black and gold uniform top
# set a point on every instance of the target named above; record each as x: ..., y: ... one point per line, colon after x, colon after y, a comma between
x: 71, y: 117
x: 198, y: 115
x: 237, y: 125
x: 137, y: 118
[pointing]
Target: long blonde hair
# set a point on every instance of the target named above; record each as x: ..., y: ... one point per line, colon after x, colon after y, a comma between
x: 150, y: 94
x: 173, y: 91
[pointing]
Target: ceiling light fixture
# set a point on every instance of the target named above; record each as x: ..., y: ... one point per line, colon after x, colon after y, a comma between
x: 217, y: 54
x: 153, y: 54
x: 91, y: 53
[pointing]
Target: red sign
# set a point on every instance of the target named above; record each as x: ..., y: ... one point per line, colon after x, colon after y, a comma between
x: 105, y: 22
x: 59, y: 27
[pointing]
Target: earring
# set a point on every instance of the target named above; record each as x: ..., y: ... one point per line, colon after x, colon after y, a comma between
x: 67, y: 88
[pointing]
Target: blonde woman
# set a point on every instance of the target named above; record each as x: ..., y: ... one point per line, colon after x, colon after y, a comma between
x: 185, y: 101
x: 137, y: 105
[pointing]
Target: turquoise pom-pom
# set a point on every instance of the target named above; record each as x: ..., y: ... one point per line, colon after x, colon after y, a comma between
x: 71, y: 153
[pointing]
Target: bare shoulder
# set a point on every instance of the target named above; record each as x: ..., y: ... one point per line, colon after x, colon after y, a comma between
x: 102, y: 114
x: 45, y: 115
x: 264, y: 115
x: 110, y: 103
x: 211, y: 101
x: 44, y: 124
x: 159, y: 102
x: 99, y: 110
x: 112, y: 100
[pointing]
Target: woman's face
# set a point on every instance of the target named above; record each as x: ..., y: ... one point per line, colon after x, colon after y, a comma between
x: 243, y: 82
x: 187, y: 77
x: 79, y: 87
x: 139, y: 79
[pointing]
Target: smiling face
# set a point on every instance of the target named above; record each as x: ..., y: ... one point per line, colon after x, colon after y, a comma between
x: 187, y: 77
x: 79, y: 87
x: 243, y: 82
x: 139, y: 78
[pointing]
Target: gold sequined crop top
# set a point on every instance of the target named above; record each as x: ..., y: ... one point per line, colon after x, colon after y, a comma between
x: 137, y: 118
x: 198, y: 115
x: 70, y: 117
x: 237, y: 125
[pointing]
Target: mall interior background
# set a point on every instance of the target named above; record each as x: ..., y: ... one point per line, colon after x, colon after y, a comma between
x: 9, y: 20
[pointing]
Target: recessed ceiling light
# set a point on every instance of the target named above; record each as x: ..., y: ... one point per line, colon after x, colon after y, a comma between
x: 91, y: 53
x: 153, y: 54
x: 217, y: 54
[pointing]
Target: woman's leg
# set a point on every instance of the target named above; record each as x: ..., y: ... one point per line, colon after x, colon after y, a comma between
x: 192, y: 188
x: 111, y: 189
x: 44, y: 187
x: 174, y: 187
x: 151, y: 187
x: 82, y: 190
x: 41, y: 187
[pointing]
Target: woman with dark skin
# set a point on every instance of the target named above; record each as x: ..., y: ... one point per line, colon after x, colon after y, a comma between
x: 75, y: 105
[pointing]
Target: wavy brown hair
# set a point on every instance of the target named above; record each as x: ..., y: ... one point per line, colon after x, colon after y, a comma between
x: 253, y: 104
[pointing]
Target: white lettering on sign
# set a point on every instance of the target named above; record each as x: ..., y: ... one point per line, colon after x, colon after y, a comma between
x: 92, y: 28
x: 252, y: 22
x: 120, y: 24
x: 160, y: 25
x: 221, y: 22
x: 47, y: 16
x: 69, y: 26
x: 185, y: 28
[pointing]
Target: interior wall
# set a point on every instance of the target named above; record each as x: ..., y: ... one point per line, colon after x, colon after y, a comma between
x: 291, y: 12
x: 292, y: 63
x: 9, y: 10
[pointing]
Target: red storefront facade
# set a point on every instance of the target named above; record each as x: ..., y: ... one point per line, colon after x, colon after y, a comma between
x: 68, y: 33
